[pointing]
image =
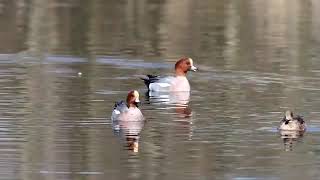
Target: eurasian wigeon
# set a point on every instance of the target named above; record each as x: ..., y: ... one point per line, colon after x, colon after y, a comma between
x: 292, y: 123
x: 179, y: 82
x: 127, y: 118
x: 127, y: 110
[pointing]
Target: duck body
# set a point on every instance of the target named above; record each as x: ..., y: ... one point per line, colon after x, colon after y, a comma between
x: 292, y: 123
x: 126, y: 111
x: 167, y: 83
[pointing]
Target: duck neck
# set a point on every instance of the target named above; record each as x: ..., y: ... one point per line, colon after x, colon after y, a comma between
x: 180, y: 72
x: 131, y: 105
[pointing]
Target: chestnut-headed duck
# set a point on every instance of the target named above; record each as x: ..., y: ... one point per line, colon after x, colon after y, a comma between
x: 292, y: 123
x: 127, y: 110
x: 179, y: 82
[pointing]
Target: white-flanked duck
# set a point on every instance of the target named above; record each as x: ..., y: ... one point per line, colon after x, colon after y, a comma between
x: 128, y: 120
x: 179, y: 82
x: 292, y: 123
x: 127, y: 110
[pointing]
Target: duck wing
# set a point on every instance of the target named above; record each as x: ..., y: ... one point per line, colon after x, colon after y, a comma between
x: 119, y: 107
x: 299, y: 119
x: 148, y: 79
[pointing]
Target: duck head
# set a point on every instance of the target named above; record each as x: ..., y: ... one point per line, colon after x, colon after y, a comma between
x: 184, y: 65
x: 133, y: 99
x: 288, y: 116
x: 132, y: 144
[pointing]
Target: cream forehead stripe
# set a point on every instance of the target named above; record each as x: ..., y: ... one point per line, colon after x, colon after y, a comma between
x: 191, y: 61
x: 136, y: 94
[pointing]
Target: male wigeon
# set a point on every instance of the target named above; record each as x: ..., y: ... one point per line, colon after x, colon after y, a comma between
x: 127, y: 118
x: 127, y: 110
x: 292, y: 123
x: 179, y: 82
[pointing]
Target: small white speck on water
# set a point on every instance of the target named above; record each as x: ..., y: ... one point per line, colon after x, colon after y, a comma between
x: 79, y: 74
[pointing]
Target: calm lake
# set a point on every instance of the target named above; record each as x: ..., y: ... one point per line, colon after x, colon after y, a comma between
x: 64, y: 63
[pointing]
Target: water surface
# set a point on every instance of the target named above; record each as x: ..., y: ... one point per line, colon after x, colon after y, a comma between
x: 256, y: 59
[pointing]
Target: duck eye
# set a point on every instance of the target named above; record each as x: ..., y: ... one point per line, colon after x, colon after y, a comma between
x: 188, y: 63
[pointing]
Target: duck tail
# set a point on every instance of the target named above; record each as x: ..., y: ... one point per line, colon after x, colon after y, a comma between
x: 300, y: 119
x: 147, y: 79
x: 118, y: 104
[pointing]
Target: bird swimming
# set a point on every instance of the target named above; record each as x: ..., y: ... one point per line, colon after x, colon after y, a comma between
x: 179, y: 82
x: 127, y: 110
x: 292, y: 123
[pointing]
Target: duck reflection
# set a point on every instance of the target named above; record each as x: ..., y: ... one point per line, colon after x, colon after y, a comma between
x: 290, y: 138
x: 179, y: 101
x: 129, y: 132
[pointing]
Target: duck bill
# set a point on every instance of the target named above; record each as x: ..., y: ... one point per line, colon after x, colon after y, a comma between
x: 137, y: 102
x: 287, y: 121
x: 193, y: 68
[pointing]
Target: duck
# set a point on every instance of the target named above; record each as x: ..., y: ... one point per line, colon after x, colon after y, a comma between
x: 292, y: 123
x: 126, y: 112
x: 179, y: 82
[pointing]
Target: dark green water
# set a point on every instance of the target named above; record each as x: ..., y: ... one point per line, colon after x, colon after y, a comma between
x: 256, y: 58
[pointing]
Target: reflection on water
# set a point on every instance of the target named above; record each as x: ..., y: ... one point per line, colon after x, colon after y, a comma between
x: 290, y: 137
x: 178, y: 98
x: 179, y: 101
x: 129, y: 131
x: 177, y: 105
x: 257, y: 59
